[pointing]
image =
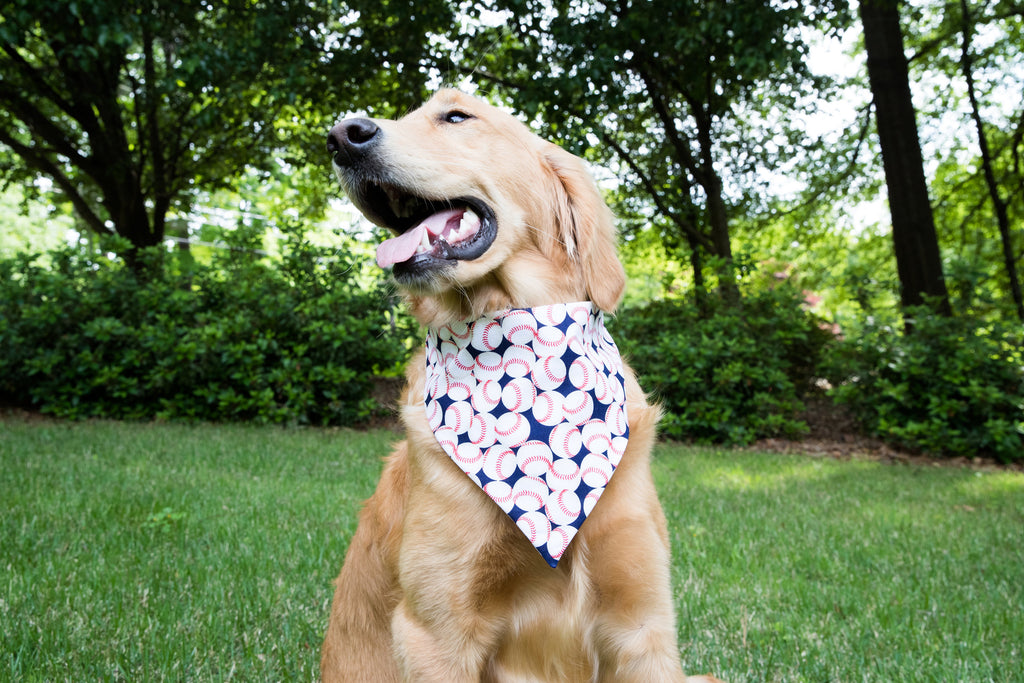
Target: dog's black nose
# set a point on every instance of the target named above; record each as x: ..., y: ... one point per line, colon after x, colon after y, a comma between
x: 351, y: 139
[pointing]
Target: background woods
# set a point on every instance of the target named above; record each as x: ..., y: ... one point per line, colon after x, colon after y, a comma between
x: 780, y: 235
x: 132, y: 109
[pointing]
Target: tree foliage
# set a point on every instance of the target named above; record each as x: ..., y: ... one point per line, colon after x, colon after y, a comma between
x: 971, y: 56
x: 704, y: 121
x: 131, y: 108
x: 685, y: 99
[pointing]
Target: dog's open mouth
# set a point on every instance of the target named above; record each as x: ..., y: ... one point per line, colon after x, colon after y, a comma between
x: 429, y: 233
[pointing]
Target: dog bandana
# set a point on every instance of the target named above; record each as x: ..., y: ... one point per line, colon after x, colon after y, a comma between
x: 531, y: 405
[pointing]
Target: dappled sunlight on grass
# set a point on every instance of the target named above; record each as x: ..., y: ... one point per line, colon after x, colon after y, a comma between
x: 736, y: 471
x: 791, y: 568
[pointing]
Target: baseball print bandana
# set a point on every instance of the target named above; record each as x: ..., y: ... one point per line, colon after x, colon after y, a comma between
x: 531, y: 405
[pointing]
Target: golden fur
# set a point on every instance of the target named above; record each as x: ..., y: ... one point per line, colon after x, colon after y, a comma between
x: 438, y: 583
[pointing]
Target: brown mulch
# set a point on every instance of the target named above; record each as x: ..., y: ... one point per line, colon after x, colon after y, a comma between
x: 834, y: 433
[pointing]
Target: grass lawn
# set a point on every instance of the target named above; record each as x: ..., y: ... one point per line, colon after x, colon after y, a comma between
x: 147, y: 552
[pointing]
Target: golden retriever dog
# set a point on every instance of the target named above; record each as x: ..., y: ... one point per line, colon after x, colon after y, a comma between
x: 439, y: 583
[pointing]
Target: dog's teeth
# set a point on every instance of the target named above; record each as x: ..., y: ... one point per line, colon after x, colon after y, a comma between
x: 424, y: 245
x: 468, y: 225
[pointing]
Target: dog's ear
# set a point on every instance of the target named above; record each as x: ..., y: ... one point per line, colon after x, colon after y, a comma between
x: 586, y: 228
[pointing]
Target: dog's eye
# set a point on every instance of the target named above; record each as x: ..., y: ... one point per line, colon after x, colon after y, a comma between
x: 455, y: 116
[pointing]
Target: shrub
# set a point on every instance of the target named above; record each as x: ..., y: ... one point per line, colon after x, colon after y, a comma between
x: 731, y: 376
x: 238, y: 340
x: 953, y: 386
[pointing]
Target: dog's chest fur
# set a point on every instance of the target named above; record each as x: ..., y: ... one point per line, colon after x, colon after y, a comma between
x: 454, y: 530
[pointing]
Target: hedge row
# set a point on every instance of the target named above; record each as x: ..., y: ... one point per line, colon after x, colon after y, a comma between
x: 953, y: 386
x: 302, y: 341
x: 728, y: 374
x: 238, y: 340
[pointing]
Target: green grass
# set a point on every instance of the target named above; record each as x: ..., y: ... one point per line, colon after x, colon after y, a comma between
x: 206, y: 553
x: 793, y: 569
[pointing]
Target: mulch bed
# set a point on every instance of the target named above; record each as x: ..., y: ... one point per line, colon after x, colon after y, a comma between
x: 834, y: 433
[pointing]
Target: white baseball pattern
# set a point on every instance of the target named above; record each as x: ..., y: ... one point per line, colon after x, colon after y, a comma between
x: 481, y: 431
x: 513, y: 430
x: 565, y: 440
x: 534, y: 459
x: 563, y: 507
x: 530, y: 404
x: 548, y: 373
x: 558, y: 541
x: 499, y: 464
x: 469, y: 457
x: 564, y: 475
x: 547, y: 408
x: 486, y: 396
x: 578, y: 407
x: 500, y: 493
x: 489, y: 366
x: 519, y: 394
x: 550, y: 342
x: 487, y: 336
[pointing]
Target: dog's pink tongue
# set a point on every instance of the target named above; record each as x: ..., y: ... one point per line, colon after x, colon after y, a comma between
x: 403, y: 247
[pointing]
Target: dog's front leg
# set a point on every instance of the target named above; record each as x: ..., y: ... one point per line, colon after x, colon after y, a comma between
x: 453, y: 573
x: 357, y: 645
x: 636, y: 637
x: 440, y: 652
x: 635, y: 631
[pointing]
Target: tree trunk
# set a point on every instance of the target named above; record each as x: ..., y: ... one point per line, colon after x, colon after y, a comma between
x: 718, y: 214
x: 700, y: 294
x: 999, y: 205
x: 915, y: 243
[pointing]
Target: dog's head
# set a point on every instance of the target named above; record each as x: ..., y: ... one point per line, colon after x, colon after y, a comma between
x: 486, y: 215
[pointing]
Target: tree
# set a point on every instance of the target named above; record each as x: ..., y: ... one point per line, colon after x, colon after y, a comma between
x: 667, y: 91
x: 966, y: 59
x: 133, y: 107
x: 916, y: 245
x: 1000, y: 204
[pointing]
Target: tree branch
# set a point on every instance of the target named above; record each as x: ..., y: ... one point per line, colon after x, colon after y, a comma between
x: 999, y: 205
x: 489, y: 77
x: 152, y: 123
x: 43, y: 127
x: 33, y: 74
x: 848, y: 171
x: 684, y: 225
x: 684, y: 157
x: 46, y: 165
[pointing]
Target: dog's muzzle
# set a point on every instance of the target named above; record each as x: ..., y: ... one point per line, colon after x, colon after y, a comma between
x: 431, y: 233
